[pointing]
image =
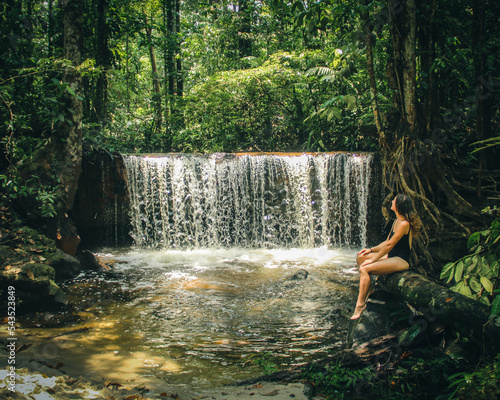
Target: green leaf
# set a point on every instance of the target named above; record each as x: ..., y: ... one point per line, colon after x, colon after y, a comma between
x: 483, y: 267
x: 473, y: 264
x: 473, y: 240
x: 459, y: 271
x: 495, y: 306
x: 452, y: 274
x: 488, y: 286
x: 465, y: 290
x: 446, y: 270
x: 495, y: 268
x: 457, y: 287
x: 484, y: 300
x: 475, y: 285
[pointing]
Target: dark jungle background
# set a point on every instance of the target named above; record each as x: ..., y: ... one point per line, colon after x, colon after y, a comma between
x: 418, y: 82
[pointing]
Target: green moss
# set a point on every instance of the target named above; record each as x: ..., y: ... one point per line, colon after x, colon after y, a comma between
x: 37, y: 272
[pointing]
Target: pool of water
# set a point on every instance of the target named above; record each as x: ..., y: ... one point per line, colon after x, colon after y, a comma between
x: 201, y: 318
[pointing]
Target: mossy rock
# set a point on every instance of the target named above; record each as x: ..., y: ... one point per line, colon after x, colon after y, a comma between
x: 31, y: 263
x: 27, y: 246
x: 65, y: 266
x: 29, y: 274
x: 37, y: 272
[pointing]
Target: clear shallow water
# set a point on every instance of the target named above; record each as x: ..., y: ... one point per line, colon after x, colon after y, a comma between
x: 203, y: 318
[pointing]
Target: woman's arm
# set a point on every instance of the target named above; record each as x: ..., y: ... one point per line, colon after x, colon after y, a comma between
x: 370, y: 250
x: 378, y: 247
x: 385, y: 247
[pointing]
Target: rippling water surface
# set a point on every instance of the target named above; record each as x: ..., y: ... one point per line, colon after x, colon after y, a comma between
x: 202, y: 318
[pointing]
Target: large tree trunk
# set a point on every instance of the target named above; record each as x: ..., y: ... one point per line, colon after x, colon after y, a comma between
x: 71, y: 134
x: 157, y: 118
x: 373, y: 83
x: 413, y: 165
x: 66, y: 149
x: 410, y: 70
x: 103, y: 62
x: 180, y: 79
x: 456, y: 311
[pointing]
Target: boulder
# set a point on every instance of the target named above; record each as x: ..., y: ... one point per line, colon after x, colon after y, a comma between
x: 65, y: 265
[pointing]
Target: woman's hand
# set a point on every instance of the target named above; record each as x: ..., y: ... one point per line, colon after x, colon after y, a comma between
x: 366, y: 262
x: 364, y: 251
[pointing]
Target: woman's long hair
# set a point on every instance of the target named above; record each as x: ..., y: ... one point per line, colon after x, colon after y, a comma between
x: 405, y: 207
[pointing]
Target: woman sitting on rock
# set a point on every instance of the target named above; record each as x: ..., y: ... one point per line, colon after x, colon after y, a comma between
x: 390, y: 256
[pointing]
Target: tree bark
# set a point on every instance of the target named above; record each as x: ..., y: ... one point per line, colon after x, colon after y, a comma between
x: 457, y: 312
x: 373, y: 83
x: 409, y: 71
x: 157, y: 119
x: 103, y: 62
x: 412, y: 165
x: 170, y: 61
x: 71, y: 134
x: 179, y: 77
x: 64, y: 153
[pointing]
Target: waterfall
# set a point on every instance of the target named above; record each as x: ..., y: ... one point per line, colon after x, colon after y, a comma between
x: 258, y: 201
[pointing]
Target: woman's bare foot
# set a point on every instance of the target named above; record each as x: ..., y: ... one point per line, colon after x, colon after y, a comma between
x: 358, y: 311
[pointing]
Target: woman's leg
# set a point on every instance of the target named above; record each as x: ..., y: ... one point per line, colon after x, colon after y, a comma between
x: 383, y: 266
x: 361, y: 259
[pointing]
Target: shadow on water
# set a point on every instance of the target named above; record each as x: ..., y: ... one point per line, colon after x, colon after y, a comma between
x: 201, y: 318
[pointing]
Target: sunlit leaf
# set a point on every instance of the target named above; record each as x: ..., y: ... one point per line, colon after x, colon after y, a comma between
x: 488, y: 286
x: 459, y: 271
x: 446, y: 270
x: 475, y: 285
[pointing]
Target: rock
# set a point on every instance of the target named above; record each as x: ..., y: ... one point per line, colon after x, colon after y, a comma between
x: 67, y: 238
x: 88, y: 260
x: 65, y: 265
x: 300, y: 275
x: 29, y: 274
x: 34, y: 286
x: 33, y: 265
x: 101, y: 208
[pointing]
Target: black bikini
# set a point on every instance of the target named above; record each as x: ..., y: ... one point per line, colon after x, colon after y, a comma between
x: 401, y: 248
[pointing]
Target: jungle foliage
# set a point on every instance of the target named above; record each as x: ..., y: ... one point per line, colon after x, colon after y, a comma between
x: 202, y: 76
x: 416, y: 81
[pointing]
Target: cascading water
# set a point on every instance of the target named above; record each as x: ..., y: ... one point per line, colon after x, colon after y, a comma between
x: 253, y: 201
x: 236, y: 258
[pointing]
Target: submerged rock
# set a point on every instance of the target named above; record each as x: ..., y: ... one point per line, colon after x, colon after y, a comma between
x: 300, y: 275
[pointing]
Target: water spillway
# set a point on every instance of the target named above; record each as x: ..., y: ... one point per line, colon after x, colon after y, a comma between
x: 253, y: 201
x: 235, y: 257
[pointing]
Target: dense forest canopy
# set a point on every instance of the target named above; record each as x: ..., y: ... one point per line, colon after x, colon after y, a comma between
x: 192, y: 75
x: 416, y: 81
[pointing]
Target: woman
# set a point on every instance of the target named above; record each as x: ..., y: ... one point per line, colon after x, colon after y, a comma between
x: 390, y: 256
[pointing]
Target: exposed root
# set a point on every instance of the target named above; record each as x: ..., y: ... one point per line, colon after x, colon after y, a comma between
x: 416, y: 169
